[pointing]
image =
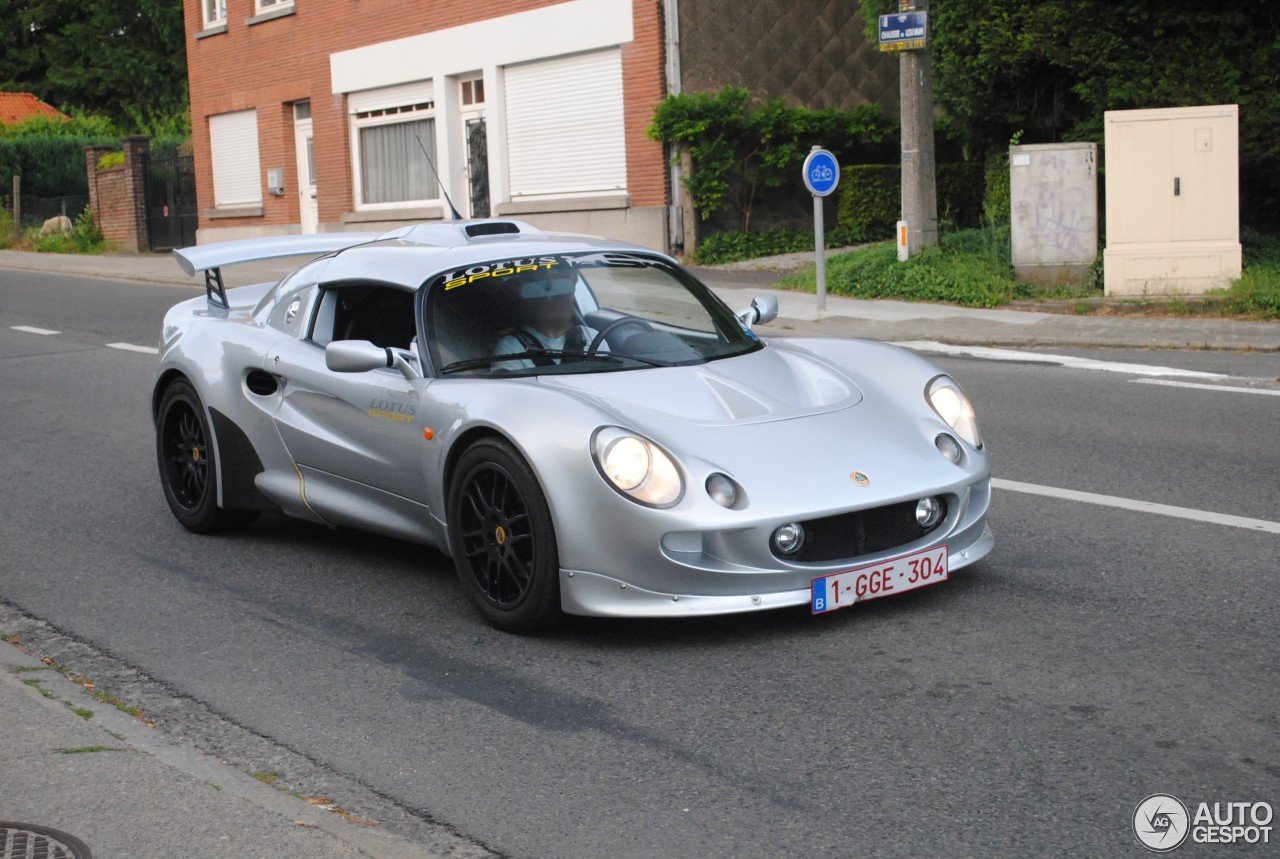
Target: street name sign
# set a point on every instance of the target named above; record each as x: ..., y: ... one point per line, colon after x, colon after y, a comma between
x: 904, y: 31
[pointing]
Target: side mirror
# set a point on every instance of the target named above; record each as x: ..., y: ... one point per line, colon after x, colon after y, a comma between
x: 763, y: 310
x: 356, y: 356
x: 361, y: 356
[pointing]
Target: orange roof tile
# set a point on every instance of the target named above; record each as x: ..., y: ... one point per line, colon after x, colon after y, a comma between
x: 18, y: 106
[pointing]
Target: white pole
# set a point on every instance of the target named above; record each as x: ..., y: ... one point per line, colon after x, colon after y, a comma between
x: 820, y: 252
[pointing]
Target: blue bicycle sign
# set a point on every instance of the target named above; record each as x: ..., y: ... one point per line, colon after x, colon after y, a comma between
x: 821, y: 172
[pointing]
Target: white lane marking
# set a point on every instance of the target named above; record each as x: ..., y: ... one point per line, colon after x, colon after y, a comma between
x: 1071, y: 361
x: 1229, y: 388
x: 33, y: 330
x: 1140, y: 506
x: 129, y: 347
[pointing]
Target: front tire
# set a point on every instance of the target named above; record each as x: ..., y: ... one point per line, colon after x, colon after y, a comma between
x: 188, y: 464
x: 502, y: 538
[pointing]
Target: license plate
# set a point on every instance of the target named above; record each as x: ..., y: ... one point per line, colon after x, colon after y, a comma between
x: 889, y: 577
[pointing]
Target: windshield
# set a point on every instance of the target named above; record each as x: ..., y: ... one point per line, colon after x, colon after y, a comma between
x: 576, y: 313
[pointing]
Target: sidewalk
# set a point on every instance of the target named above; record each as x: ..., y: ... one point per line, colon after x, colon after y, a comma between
x: 798, y: 312
x: 122, y: 789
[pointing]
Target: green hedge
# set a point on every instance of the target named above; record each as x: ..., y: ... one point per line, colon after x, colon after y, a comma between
x: 50, y: 166
x: 871, y: 198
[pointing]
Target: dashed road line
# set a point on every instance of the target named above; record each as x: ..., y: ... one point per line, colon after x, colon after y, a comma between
x: 1140, y: 506
x: 129, y: 347
x: 31, y: 329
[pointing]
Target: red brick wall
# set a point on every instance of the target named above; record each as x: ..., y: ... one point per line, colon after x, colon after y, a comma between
x: 282, y: 60
x: 117, y: 196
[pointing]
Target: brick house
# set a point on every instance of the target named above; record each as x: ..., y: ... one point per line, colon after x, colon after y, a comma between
x: 324, y: 115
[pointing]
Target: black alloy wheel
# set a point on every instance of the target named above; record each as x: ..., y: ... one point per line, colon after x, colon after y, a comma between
x: 502, y: 538
x: 188, y: 467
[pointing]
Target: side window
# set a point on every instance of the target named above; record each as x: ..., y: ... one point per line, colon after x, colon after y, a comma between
x: 291, y: 311
x: 383, y: 315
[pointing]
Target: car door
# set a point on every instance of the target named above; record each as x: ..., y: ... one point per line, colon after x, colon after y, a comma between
x: 361, y: 428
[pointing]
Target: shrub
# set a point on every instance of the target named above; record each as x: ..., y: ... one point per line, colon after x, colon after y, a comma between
x: 732, y: 246
x: 870, y: 200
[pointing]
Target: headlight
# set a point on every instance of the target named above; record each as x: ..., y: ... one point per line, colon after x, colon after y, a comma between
x: 637, y: 467
x: 946, y: 398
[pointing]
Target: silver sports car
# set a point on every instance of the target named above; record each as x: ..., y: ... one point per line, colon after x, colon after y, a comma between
x: 580, y: 424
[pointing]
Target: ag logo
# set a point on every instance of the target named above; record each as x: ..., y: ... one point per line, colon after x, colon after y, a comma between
x: 1161, y: 822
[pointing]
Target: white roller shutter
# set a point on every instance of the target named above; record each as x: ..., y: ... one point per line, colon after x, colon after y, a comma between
x: 403, y: 95
x: 233, y: 139
x: 565, y: 131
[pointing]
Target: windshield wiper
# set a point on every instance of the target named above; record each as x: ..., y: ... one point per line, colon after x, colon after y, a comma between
x: 532, y: 354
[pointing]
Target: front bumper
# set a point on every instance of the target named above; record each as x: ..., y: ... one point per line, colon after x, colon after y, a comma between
x: 724, y: 589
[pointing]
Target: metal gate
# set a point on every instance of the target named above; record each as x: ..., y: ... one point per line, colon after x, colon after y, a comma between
x: 478, y: 167
x: 172, y: 215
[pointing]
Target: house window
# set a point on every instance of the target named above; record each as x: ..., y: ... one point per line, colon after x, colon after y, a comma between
x: 215, y: 12
x: 393, y: 136
x: 565, y: 126
x: 473, y: 92
x: 396, y: 161
x: 269, y: 5
x: 233, y: 142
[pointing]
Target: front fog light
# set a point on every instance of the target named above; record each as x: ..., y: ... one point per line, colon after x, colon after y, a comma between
x: 789, y: 538
x: 722, y: 490
x: 948, y: 447
x: 928, y: 513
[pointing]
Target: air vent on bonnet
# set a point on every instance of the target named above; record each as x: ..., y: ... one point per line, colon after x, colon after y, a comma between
x: 491, y: 228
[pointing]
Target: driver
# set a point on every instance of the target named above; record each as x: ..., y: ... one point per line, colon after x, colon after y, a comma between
x: 550, y: 323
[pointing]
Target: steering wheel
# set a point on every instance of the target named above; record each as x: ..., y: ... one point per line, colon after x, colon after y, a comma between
x: 617, y: 323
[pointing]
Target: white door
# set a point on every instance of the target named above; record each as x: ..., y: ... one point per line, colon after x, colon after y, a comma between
x: 308, y: 209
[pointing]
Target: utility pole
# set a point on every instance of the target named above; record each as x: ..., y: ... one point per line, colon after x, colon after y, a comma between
x: 919, y: 170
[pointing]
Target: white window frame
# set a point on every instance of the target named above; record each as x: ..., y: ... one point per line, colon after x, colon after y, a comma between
x: 218, y: 8
x: 390, y: 116
x: 260, y: 6
x: 239, y: 169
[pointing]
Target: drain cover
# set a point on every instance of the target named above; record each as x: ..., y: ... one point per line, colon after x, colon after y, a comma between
x: 27, y: 841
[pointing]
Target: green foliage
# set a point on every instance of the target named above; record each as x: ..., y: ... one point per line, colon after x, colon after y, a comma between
x: 960, y: 190
x: 109, y: 160
x: 124, y: 59
x: 969, y: 268
x: 738, y: 149
x: 6, y: 229
x: 997, y: 195
x: 1053, y: 68
x: 728, y: 246
x: 870, y: 200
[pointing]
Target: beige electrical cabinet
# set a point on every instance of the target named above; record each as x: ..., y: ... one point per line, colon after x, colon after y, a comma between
x: 1173, y: 200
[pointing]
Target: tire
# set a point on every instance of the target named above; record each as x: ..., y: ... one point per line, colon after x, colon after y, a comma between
x: 188, y: 464
x: 502, y: 538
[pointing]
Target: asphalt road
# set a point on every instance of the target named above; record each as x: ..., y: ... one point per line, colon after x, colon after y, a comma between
x: 1024, y: 708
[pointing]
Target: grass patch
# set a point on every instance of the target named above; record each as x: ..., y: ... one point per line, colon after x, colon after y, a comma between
x: 8, y: 636
x: 104, y: 698
x: 972, y: 268
x: 89, y: 750
x: 82, y: 712
x: 266, y: 777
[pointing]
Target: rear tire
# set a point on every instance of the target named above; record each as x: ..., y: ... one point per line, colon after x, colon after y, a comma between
x: 188, y: 464
x: 502, y: 538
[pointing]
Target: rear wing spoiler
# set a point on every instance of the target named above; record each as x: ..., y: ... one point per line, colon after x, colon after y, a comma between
x: 210, y: 258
